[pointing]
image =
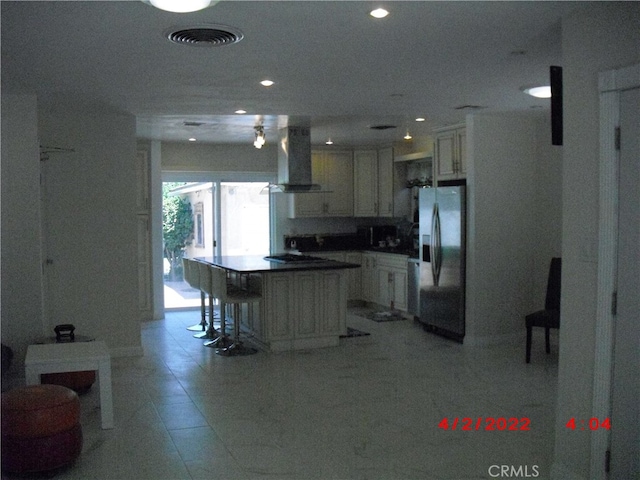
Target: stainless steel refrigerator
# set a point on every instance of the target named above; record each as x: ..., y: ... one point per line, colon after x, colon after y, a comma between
x: 442, y: 260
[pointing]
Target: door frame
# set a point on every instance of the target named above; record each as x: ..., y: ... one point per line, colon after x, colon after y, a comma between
x: 216, y: 178
x: 611, y: 83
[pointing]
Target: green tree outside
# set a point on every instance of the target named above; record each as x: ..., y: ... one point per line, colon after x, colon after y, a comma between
x: 177, y: 228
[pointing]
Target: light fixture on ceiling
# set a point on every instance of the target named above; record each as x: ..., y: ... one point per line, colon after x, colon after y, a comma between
x: 240, y: 112
x: 407, y: 136
x: 260, y: 137
x: 420, y: 119
x: 266, y: 83
x: 192, y: 139
x: 181, y: 6
x: 379, y: 13
x: 538, y: 92
x: 329, y: 142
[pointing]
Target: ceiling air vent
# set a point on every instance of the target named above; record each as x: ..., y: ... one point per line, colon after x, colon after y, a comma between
x: 382, y: 127
x: 205, y: 36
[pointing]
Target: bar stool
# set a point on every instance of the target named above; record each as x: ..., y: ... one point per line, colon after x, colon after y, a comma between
x: 206, y: 287
x: 191, y: 276
x: 233, y: 295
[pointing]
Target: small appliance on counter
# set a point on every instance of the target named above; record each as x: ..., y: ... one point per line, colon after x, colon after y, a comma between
x: 376, y: 234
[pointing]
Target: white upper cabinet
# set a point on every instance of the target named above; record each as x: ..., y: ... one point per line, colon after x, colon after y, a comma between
x: 373, y: 183
x: 450, y: 153
x: 333, y: 170
x: 365, y: 183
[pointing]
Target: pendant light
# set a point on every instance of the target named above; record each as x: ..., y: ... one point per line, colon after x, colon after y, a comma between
x: 260, y: 137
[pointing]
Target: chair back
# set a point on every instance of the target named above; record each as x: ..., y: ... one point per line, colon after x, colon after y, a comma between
x: 191, y: 273
x: 205, y: 279
x: 552, y: 301
x: 219, y: 282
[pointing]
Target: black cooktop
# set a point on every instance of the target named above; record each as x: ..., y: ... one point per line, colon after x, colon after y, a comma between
x: 293, y: 258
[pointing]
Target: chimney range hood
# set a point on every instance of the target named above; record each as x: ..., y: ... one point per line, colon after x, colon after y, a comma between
x: 294, y: 162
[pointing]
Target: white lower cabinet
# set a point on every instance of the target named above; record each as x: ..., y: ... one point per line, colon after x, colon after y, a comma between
x: 381, y: 279
x: 391, y: 281
x: 354, y: 275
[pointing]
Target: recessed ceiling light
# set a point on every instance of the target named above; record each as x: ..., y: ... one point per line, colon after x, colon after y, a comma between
x: 329, y: 142
x: 379, y: 13
x: 181, y: 6
x: 420, y: 119
x: 266, y: 83
x: 192, y: 139
x: 241, y: 112
x: 538, y: 92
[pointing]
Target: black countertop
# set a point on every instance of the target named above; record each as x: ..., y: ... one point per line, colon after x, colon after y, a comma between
x: 258, y: 264
x: 409, y: 252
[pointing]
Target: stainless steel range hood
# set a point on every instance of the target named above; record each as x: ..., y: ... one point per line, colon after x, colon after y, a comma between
x: 294, y: 162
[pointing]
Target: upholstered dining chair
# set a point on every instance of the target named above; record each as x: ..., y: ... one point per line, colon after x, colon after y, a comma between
x: 549, y: 317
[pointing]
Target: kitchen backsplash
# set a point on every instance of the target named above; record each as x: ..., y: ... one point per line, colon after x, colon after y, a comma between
x: 317, y: 242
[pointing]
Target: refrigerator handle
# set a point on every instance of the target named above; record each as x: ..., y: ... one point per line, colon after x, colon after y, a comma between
x: 433, y: 249
x: 437, y: 241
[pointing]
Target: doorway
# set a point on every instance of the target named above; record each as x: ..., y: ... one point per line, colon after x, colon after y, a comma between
x: 210, y: 218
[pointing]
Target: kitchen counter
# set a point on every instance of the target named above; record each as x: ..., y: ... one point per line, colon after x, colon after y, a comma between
x: 304, y: 304
x: 258, y: 264
x: 408, y: 252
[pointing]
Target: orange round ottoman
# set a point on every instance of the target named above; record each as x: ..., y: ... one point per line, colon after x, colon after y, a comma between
x: 40, y: 428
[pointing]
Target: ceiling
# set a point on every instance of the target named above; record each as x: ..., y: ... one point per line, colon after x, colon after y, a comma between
x: 335, y: 68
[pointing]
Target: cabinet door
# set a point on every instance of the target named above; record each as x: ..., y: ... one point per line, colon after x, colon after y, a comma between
x: 400, y: 289
x: 338, y: 179
x: 365, y: 183
x: 308, y: 298
x: 279, y: 305
x: 385, y: 286
x: 445, y: 146
x: 385, y: 182
x: 461, y: 136
x: 354, y: 276
x: 144, y: 268
x: 142, y: 173
x: 333, y: 317
x: 369, y: 277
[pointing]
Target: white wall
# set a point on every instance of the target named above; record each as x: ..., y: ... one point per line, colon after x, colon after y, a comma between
x: 601, y: 37
x: 91, y: 232
x: 22, y: 321
x: 201, y: 157
x: 513, y: 222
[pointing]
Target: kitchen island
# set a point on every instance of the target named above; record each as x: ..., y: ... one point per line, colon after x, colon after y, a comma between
x: 304, y: 300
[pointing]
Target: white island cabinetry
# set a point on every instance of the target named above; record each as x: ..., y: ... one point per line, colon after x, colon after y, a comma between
x: 305, y: 309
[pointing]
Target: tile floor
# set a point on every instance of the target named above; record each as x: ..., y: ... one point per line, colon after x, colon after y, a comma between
x: 367, y: 409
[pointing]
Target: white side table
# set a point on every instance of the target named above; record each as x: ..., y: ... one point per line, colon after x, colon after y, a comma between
x: 74, y: 357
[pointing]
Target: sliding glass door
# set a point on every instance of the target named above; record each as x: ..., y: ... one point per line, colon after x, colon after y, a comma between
x: 207, y: 218
x: 244, y: 219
